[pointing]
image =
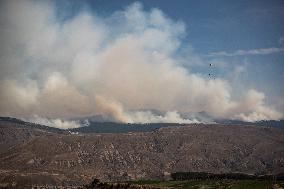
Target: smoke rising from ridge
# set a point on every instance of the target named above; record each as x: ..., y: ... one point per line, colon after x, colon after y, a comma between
x: 90, y: 65
x: 57, y: 123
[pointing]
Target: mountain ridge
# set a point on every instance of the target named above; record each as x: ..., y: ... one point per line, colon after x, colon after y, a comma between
x: 77, y: 158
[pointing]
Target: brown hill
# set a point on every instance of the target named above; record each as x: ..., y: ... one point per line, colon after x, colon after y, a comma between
x: 14, y: 132
x: 75, y: 159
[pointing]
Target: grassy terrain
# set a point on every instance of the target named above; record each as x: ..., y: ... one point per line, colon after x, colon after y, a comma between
x: 212, y: 184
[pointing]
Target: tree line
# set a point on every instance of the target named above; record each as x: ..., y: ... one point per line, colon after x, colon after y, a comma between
x: 232, y: 176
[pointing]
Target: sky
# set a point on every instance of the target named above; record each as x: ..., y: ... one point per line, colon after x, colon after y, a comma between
x: 123, y: 59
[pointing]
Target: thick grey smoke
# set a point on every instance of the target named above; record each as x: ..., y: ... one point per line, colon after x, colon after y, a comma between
x: 92, y: 65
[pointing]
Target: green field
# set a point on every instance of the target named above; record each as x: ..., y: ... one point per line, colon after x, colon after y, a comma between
x: 211, y: 184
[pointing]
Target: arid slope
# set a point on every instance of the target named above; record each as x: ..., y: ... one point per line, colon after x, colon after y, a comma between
x: 210, y: 148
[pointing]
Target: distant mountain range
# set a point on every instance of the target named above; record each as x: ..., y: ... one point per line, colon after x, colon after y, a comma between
x: 95, y: 124
x: 100, y: 124
x: 112, y: 127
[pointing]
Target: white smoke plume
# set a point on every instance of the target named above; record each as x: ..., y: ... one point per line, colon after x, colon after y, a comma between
x: 149, y: 117
x: 88, y: 65
x: 57, y: 123
x: 115, y: 110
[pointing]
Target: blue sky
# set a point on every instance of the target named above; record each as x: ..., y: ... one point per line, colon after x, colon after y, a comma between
x: 229, y: 25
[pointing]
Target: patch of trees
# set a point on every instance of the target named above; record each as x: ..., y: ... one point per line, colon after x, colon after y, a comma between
x: 229, y: 176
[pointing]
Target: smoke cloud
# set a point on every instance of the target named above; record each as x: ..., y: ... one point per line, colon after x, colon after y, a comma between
x: 57, y: 123
x: 88, y: 65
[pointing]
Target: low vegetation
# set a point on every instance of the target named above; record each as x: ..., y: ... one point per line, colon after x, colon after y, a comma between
x: 227, y: 176
x: 198, y: 180
x: 212, y: 184
x: 190, y: 184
